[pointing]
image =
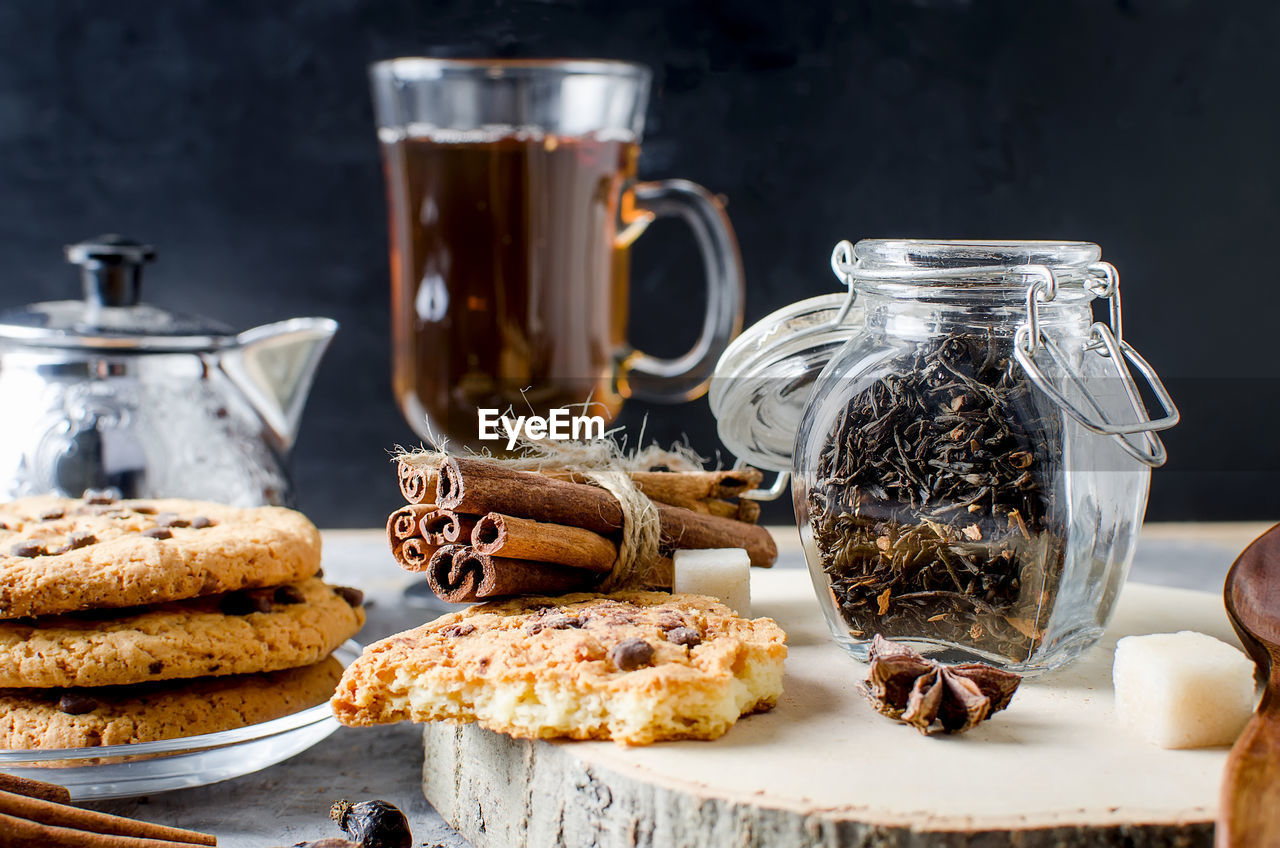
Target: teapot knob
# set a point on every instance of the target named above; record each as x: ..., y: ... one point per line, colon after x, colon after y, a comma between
x: 111, y: 268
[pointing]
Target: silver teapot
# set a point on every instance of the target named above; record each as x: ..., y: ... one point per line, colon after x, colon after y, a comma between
x: 110, y: 393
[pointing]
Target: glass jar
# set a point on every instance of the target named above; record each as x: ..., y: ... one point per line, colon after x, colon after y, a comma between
x: 971, y: 464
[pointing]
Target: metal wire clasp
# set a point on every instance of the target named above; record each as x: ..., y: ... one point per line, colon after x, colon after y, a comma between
x: 1108, y: 342
x: 843, y: 266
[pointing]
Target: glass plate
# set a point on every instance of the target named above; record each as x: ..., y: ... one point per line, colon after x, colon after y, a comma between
x: 120, y: 771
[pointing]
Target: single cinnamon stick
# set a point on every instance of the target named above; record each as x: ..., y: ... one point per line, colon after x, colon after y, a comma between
x: 413, y: 554
x: 749, y: 511
x: 689, y: 489
x: 403, y: 523
x: 459, y: 575
x: 34, y: 788
x: 696, y: 485
x: 713, y: 506
x: 66, y: 816
x: 522, y: 538
x: 477, y: 487
x: 17, y: 832
x: 416, y: 483
x: 446, y: 527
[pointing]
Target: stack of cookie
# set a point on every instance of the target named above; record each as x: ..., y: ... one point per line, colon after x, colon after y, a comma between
x: 131, y: 621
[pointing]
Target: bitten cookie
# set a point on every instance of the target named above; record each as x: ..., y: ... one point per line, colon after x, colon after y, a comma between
x: 61, y: 555
x: 241, y: 632
x: 85, y: 718
x: 635, y: 667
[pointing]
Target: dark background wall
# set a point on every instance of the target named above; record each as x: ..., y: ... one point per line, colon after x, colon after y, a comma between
x: 238, y: 138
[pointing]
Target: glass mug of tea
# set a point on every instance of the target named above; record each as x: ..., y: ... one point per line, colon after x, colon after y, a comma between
x: 513, y: 203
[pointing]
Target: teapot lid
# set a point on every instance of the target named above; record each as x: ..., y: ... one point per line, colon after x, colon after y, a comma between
x: 111, y: 316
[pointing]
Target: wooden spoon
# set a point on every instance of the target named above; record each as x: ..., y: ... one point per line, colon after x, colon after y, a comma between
x: 1249, y: 811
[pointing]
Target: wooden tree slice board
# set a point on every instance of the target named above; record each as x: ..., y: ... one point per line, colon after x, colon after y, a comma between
x: 824, y: 769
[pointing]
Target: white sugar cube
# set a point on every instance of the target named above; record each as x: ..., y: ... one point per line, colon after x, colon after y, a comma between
x: 1183, y: 690
x: 723, y: 573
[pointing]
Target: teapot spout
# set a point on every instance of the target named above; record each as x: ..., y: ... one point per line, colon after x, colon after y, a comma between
x: 274, y: 365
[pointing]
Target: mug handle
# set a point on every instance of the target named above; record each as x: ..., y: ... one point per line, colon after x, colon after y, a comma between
x: 686, y: 377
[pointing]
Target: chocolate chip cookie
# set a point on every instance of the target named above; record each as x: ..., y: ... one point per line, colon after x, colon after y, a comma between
x: 250, y: 630
x: 118, y: 715
x: 636, y: 667
x: 60, y: 555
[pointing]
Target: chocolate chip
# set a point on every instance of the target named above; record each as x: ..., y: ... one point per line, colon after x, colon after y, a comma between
x: 200, y: 522
x: 158, y: 533
x: 27, y: 549
x: 99, y: 496
x: 453, y: 631
x: 630, y: 654
x: 670, y: 621
x: 172, y: 519
x: 354, y: 597
x: 75, y: 704
x: 81, y: 539
x: 244, y: 603
x: 52, y: 514
x: 156, y: 667
x: 686, y: 636
x: 557, y: 622
x: 288, y: 595
x: 144, y: 509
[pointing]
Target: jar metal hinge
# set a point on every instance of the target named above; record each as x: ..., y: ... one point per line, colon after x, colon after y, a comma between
x: 1108, y: 342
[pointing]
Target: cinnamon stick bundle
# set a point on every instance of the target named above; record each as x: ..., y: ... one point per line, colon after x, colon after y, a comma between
x: 416, y: 484
x: 64, y: 816
x: 403, y: 524
x: 459, y: 575
x: 522, y: 538
x: 413, y: 554
x: 446, y: 527
x: 477, y: 487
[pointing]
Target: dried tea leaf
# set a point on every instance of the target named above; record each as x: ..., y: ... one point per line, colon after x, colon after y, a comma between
x: 933, y: 498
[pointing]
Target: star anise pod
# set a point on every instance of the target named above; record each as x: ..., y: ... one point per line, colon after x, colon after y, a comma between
x: 905, y: 686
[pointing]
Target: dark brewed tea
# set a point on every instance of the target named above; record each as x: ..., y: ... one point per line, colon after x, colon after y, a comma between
x: 509, y: 280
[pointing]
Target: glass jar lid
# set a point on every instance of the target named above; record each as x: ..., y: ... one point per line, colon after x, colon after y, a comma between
x: 111, y: 316
x: 762, y: 381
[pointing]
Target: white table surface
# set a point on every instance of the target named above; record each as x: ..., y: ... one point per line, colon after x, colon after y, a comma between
x: 288, y: 803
